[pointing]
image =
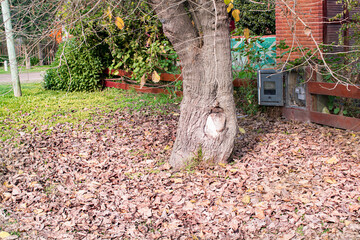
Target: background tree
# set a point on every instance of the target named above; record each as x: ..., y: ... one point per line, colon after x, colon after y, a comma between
x: 33, y: 23
x: 5, y: 9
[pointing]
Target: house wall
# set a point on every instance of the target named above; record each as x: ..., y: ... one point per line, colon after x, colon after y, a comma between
x: 295, y: 26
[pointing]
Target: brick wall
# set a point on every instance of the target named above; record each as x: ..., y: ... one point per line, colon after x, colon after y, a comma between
x: 290, y: 28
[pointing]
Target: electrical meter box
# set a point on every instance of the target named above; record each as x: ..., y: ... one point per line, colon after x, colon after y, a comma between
x: 296, y: 88
x: 270, y: 87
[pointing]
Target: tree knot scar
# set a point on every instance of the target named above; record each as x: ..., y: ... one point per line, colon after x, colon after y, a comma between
x: 215, y: 122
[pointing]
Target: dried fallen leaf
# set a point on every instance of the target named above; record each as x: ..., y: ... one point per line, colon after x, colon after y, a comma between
x: 233, y: 170
x: 16, y: 191
x: 230, y: 7
x: 246, y: 199
x: 234, y: 224
x: 155, y: 77
x: 142, y: 81
x: 354, y: 207
x: 222, y: 165
x: 7, y: 185
x: 6, y: 196
x: 178, y: 180
x: 189, y: 206
x: 236, y: 14
x: 119, y: 23
x: 204, y: 203
x: 242, y: 130
x: 39, y: 210
x: 4, y: 234
x: 32, y: 184
x: 88, y: 196
x: 11, y: 168
x: 165, y: 166
x: 330, y: 180
x: 347, y: 222
x: 146, y: 212
x: 259, y: 213
x: 332, y: 160
x: 288, y: 236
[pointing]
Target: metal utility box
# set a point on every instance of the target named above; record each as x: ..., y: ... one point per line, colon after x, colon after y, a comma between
x: 296, y: 88
x: 270, y: 88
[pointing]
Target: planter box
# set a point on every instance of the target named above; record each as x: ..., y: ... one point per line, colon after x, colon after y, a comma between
x: 125, y: 86
x: 163, y: 76
x: 167, y: 77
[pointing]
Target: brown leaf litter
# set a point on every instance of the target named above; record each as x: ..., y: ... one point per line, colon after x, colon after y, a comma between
x: 288, y: 181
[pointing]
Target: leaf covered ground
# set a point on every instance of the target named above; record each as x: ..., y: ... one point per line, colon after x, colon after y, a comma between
x: 109, y: 179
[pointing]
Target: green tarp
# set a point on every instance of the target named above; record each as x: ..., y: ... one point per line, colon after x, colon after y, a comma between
x: 265, y: 48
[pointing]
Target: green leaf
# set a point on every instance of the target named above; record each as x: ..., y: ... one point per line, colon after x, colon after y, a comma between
x: 325, y: 110
x: 331, y: 107
x: 242, y: 130
x: 227, y: 2
x: 242, y: 75
x: 336, y: 110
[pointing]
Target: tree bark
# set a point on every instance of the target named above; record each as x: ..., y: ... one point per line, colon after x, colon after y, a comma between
x: 207, y: 125
x: 5, y: 9
x: 27, y: 58
x: 40, y: 54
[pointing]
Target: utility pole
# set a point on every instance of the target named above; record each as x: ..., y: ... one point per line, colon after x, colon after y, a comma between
x: 11, y: 48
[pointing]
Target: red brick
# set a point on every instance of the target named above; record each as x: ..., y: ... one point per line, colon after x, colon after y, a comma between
x: 311, y: 13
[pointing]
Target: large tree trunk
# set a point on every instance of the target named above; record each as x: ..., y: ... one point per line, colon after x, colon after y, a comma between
x: 200, y: 36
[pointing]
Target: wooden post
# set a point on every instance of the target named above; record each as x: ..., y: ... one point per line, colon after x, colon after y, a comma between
x: 11, y: 48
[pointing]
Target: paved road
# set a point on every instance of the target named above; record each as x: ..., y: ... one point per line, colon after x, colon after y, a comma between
x: 24, y: 77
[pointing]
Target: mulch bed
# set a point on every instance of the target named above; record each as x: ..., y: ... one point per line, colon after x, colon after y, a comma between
x: 288, y: 181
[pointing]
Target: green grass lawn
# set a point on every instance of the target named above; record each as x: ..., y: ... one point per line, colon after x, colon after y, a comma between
x: 40, y: 108
x: 22, y: 69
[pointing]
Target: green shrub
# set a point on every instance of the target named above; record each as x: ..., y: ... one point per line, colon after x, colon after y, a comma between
x: 246, y: 99
x: 3, y: 58
x: 138, y: 46
x: 76, y: 68
x: 34, y: 61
